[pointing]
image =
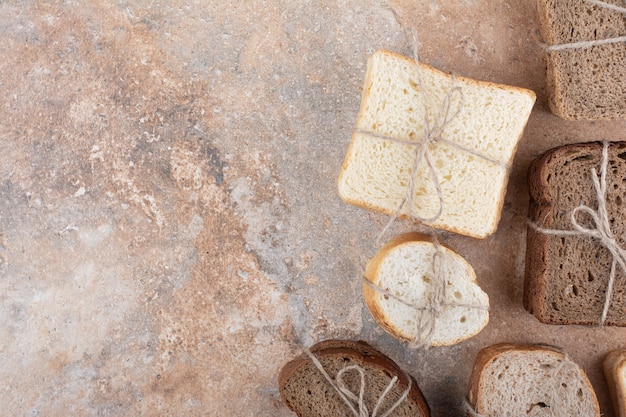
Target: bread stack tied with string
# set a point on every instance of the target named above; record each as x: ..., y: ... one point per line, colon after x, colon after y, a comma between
x: 424, y: 293
x: 575, y: 257
x: 585, y: 57
x: 529, y: 380
x: 338, y: 378
x: 433, y: 147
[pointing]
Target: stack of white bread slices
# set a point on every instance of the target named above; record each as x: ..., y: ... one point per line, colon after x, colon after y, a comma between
x: 472, y: 128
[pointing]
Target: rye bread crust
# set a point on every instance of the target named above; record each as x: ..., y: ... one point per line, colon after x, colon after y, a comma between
x: 372, y: 298
x: 566, y: 276
x: 350, y: 353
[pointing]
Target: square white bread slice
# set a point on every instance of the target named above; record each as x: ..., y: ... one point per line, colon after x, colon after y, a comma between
x: 529, y: 380
x: 615, y: 372
x: 404, y: 268
x: 376, y: 171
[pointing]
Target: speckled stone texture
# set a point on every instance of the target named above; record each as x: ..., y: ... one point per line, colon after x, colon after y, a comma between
x: 170, y: 229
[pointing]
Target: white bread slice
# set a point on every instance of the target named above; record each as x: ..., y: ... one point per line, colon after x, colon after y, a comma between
x: 404, y: 268
x: 529, y: 380
x: 615, y: 372
x: 376, y: 171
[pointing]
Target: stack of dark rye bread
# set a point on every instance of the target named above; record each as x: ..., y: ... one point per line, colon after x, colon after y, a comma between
x: 438, y: 149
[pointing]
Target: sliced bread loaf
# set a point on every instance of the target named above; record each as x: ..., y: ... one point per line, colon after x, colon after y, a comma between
x: 584, y: 82
x: 378, y: 169
x: 615, y: 372
x: 567, y: 276
x: 306, y: 390
x: 523, y: 380
x: 423, y: 293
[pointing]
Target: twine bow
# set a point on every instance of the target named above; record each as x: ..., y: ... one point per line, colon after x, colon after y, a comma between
x: 588, y: 44
x: 355, y: 402
x: 601, y: 230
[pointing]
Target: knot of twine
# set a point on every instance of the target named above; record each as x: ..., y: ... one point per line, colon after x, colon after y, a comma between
x: 601, y: 231
x: 588, y: 44
x: 550, y: 386
x: 432, y: 133
x: 355, y: 402
x: 425, y: 324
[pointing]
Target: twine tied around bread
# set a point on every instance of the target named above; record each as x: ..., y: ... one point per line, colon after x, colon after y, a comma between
x: 588, y: 44
x: 356, y: 403
x: 601, y: 231
x: 426, y: 321
x: 433, y: 132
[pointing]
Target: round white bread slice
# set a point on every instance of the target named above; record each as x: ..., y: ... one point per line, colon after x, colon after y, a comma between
x: 529, y: 380
x: 403, y: 268
x: 615, y: 372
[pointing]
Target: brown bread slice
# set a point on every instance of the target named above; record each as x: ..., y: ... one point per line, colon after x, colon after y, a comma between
x: 584, y: 83
x: 529, y: 380
x: 567, y: 276
x: 306, y: 391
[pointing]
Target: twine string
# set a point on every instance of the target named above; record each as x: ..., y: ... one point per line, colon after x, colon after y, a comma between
x: 589, y: 44
x: 350, y: 398
x: 552, y: 385
x: 600, y: 231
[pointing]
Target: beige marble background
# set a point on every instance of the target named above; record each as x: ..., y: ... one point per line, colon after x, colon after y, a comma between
x: 170, y: 229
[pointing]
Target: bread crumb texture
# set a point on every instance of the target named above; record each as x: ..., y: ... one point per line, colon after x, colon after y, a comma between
x: 395, y: 104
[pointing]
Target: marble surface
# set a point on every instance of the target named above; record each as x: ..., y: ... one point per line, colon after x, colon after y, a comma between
x: 170, y: 230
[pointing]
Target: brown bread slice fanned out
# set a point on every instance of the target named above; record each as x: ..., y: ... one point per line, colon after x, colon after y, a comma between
x: 306, y: 391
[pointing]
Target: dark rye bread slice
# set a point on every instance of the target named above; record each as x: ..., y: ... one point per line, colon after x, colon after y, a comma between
x: 566, y: 276
x: 305, y: 390
x: 529, y: 380
x: 584, y: 83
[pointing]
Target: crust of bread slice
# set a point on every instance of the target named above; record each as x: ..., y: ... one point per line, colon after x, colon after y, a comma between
x: 377, y: 365
x: 615, y: 372
x: 484, y: 398
x: 487, y: 221
x: 374, y: 299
